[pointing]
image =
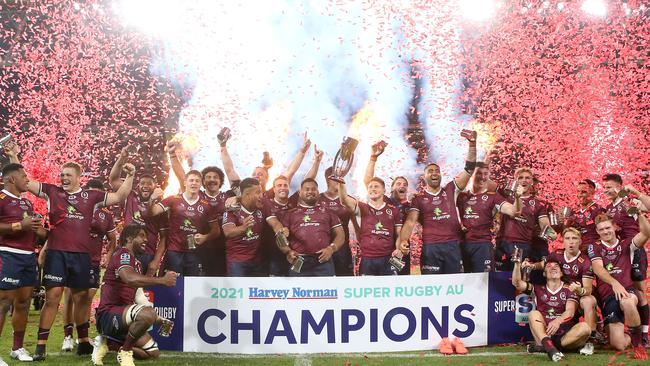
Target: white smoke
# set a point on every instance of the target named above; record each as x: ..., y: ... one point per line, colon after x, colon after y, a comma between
x: 272, y: 69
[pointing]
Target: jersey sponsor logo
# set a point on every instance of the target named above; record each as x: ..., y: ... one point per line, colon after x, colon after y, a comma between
x: 125, y: 258
x: 306, y: 218
x: 73, y: 213
x: 13, y: 281
x: 53, y: 278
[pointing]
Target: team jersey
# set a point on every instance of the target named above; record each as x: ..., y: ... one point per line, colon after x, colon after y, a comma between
x: 438, y: 215
x: 379, y: 229
x: 102, y: 224
x: 114, y: 292
x: 477, y: 212
x: 135, y: 213
x: 521, y: 228
x: 246, y: 247
x: 186, y: 218
x: 628, y: 225
x: 310, y: 228
x: 15, y: 209
x: 70, y: 215
x: 574, y: 269
x: 617, y: 260
x: 583, y: 220
x: 402, y: 206
x: 553, y: 303
x: 335, y: 206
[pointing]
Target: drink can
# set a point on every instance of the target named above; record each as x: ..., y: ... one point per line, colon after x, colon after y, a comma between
x: 166, y: 327
x: 191, y: 242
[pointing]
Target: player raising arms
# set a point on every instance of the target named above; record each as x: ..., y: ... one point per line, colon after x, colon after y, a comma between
x: 380, y: 226
x: 436, y: 210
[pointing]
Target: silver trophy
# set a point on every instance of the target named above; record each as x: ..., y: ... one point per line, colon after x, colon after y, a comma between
x: 191, y: 242
x: 623, y: 193
x: 343, y: 159
x: 296, y: 266
x: 511, y: 188
x: 397, y: 263
x: 547, y: 233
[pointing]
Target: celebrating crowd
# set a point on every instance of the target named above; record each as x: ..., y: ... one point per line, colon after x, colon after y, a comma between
x: 468, y: 224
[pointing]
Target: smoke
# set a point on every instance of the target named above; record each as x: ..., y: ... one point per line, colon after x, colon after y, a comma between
x: 272, y: 70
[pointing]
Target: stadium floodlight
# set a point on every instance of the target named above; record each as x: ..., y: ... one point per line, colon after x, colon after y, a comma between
x: 477, y: 10
x: 595, y: 7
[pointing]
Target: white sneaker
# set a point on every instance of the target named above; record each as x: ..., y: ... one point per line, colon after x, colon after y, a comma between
x: 68, y: 344
x: 100, y: 349
x: 125, y: 358
x: 2, y: 362
x: 21, y: 354
x: 587, y: 349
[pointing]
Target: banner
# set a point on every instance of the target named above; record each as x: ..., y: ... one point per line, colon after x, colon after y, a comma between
x: 333, y: 314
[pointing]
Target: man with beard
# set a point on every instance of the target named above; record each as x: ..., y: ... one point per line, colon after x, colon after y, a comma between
x: 18, y: 269
x: 610, y: 259
x: 585, y: 213
x: 135, y: 213
x: 243, y: 230
x: 212, y: 253
x: 119, y: 318
x: 435, y: 209
x: 627, y: 228
x: 192, y: 223
x: 315, y: 233
x: 103, y: 226
x: 518, y: 231
x: 552, y: 323
x: 380, y: 224
x: 478, y: 207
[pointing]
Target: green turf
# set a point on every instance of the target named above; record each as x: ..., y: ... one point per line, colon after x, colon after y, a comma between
x: 498, y: 355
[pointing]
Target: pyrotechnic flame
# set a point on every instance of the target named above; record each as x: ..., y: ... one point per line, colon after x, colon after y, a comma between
x: 487, y: 133
x: 366, y: 127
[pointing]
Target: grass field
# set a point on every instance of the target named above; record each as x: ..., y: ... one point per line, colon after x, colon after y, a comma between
x: 496, y: 355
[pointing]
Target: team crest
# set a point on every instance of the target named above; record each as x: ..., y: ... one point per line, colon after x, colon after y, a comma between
x: 484, y: 197
x: 84, y: 195
x: 389, y: 211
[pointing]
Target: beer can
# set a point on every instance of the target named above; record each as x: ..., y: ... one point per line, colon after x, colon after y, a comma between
x: 297, y: 264
x: 191, y: 242
x: 166, y: 327
x: 396, y: 262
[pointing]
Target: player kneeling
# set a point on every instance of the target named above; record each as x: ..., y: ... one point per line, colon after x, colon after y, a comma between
x: 552, y: 324
x: 121, y: 318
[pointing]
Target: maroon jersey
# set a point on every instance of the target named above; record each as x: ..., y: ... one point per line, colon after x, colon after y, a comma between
x: 15, y: 209
x: 379, y: 229
x: 553, y: 303
x: 628, y: 224
x: 246, y: 247
x: 218, y: 203
x: 522, y: 228
x: 135, y: 213
x: 403, y: 207
x: 186, y: 218
x: 438, y: 214
x: 102, y: 224
x: 70, y: 215
x: 114, y: 292
x: 335, y: 206
x: 617, y: 260
x: 574, y: 269
x: 477, y: 214
x: 272, y: 208
x: 583, y: 220
x: 310, y: 228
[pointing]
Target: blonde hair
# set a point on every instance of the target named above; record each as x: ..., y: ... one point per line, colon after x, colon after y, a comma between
x: 73, y: 165
x: 524, y: 170
x: 571, y: 230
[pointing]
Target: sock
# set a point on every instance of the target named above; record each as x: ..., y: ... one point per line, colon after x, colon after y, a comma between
x: 67, y: 330
x: 82, y: 330
x: 644, y: 313
x: 19, y: 336
x: 128, y: 343
x: 548, y: 345
x: 40, y: 349
x: 635, y: 335
x: 43, y: 334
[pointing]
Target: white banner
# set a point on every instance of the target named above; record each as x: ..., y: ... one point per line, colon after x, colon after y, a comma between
x: 333, y: 314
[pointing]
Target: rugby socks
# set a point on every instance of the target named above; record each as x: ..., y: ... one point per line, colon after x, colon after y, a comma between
x: 129, y: 342
x: 67, y: 330
x: 19, y: 336
x: 82, y: 330
x: 644, y: 313
x: 635, y: 335
x: 548, y: 345
x: 43, y: 334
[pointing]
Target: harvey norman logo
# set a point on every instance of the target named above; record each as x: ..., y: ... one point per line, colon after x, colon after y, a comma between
x: 295, y: 293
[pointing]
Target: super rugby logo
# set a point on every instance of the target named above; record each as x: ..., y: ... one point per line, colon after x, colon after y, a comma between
x: 125, y: 258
